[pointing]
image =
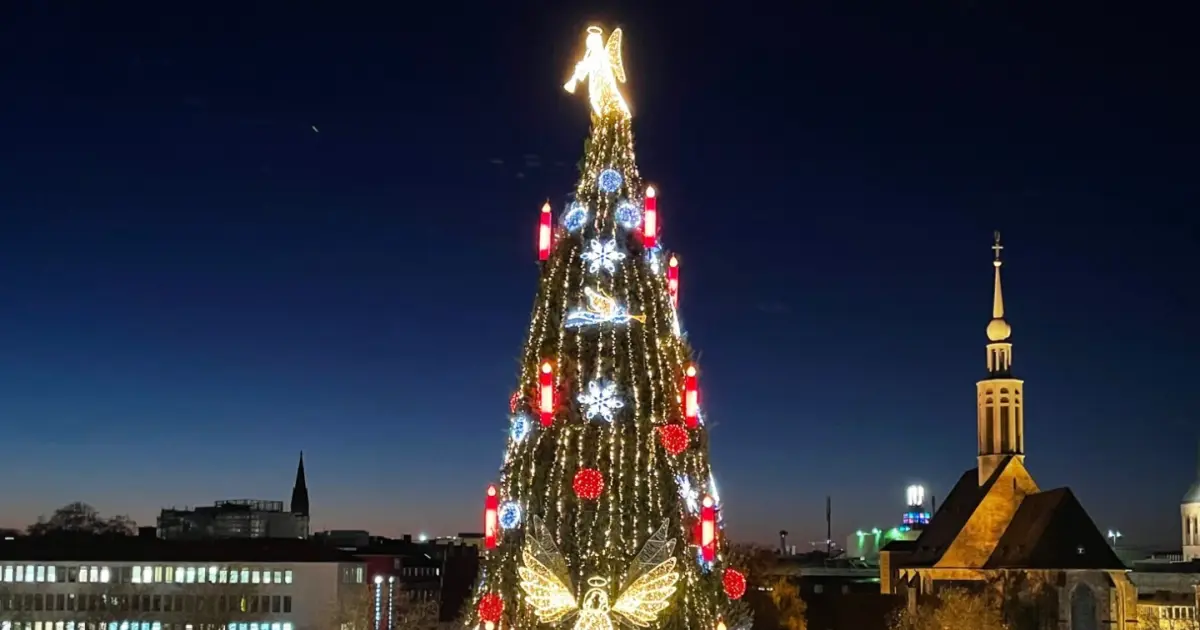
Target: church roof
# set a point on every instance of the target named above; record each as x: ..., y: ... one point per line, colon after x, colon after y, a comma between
x: 1051, y: 530
x: 1193, y: 493
x: 950, y: 518
x: 1047, y: 530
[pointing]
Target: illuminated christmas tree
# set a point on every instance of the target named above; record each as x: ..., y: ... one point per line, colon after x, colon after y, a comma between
x: 606, y: 512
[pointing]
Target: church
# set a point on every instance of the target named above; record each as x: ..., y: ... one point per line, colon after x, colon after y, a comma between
x: 997, y: 529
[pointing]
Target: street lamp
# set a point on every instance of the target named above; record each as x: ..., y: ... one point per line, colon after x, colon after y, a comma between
x: 1114, y: 535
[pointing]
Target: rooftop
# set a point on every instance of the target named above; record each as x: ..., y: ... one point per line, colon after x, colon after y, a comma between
x: 69, y: 548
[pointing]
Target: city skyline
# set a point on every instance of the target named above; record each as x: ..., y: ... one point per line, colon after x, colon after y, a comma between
x: 205, y: 277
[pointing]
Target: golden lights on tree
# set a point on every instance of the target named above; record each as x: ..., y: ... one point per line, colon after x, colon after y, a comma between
x: 602, y: 67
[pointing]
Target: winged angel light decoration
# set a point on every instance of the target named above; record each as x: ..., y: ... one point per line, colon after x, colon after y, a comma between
x: 546, y: 581
x: 602, y: 67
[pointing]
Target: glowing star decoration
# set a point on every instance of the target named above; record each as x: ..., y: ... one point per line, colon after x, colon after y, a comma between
x: 628, y: 215
x: 510, y: 515
x: 519, y: 427
x: 545, y: 578
x: 490, y: 522
x: 600, y: 309
x: 575, y: 216
x: 600, y: 400
x: 689, y: 493
x: 609, y: 180
x: 603, y: 255
x: 602, y: 67
x: 545, y: 233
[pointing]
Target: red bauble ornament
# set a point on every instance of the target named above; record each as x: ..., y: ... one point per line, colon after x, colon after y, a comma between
x: 735, y: 583
x: 588, y: 484
x: 491, y: 607
x: 674, y: 438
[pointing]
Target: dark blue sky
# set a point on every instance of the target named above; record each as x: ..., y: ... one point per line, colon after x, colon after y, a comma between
x: 195, y: 284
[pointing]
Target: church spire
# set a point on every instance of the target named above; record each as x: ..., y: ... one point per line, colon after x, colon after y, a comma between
x: 1000, y: 412
x: 300, y: 490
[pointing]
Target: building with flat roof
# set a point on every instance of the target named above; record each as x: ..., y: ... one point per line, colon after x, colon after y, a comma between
x: 133, y: 583
x: 241, y: 518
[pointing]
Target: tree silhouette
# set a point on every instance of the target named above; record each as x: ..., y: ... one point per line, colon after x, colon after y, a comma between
x: 81, y: 518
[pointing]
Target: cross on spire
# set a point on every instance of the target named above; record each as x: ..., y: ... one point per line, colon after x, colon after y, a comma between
x: 997, y: 247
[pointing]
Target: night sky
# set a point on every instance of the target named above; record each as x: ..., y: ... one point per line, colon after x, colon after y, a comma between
x: 229, y: 235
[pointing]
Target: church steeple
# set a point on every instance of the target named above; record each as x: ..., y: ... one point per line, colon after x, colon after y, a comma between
x: 1000, y: 414
x: 300, y: 490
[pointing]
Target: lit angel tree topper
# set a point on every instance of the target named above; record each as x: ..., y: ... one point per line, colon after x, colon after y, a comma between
x: 607, y: 516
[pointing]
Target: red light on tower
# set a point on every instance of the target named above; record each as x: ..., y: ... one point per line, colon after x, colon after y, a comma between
x: 673, y: 280
x: 545, y: 233
x: 650, y: 219
x: 708, y: 530
x: 691, y: 399
x: 546, y: 394
x: 491, y: 524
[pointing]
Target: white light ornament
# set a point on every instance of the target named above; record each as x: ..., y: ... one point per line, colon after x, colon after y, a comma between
x: 600, y: 309
x: 546, y: 580
x: 601, y: 66
x: 519, y: 427
x: 689, y: 494
x: 603, y: 255
x: 575, y: 216
x: 609, y: 180
x: 601, y: 400
x: 510, y: 514
x: 628, y: 214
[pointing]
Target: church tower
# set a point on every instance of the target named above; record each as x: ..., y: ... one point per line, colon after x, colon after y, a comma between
x: 1000, y: 412
x: 1189, y: 510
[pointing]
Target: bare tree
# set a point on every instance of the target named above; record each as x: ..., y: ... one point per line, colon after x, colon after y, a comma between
x: 954, y: 608
x: 81, y: 518
x: 354, y: 609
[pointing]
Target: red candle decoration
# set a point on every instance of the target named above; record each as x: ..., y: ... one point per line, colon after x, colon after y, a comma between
x: 491, y: 526
x: 650, y: 219
x: 735, y: 583
x: 491, y: 607
x: 588, y: 484
x: 691, y: 399
x: 546, y: 394
x: 545, y: 233
x: 673, y: 280
x: 708, y: 530
x: 674, y: 438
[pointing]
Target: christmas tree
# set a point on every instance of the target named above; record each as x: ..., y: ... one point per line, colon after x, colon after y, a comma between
x: 606, y: 513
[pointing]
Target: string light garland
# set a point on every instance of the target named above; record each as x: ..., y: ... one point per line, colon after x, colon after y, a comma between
x: 588, y: 484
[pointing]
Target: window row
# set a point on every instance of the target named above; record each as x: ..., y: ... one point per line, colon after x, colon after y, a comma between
x: 233, y: 603
x: 145, y: 574
x: 140, y: 625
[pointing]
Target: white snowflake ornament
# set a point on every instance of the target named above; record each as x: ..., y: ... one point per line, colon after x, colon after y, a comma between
x: 603, y: 255
x: 600, y: 400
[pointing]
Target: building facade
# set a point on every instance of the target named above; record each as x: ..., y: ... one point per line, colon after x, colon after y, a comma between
x: 241, y: 518
x: 128, y: 583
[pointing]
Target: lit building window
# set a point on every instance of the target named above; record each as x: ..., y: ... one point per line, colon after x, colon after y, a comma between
x: 104, y: 574
x: 29, y: 573
x: 137, y: 575
x: 8, y: 573
x: 41, y: 573
x: 287, y: 579
x: 83, y: 574
x: 147, y: 575
x: 190, y: 575
x: 245, y: 576
x: 180, y: 574
x: 224, y: 576
x: 255, y: 578
x: 212, y: 575
x: 266, y: 577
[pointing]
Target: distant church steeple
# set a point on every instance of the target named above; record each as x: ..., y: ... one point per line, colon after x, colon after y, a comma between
x: 1189, y: 509
x: 300, y: 490
x: 1000, y: 414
